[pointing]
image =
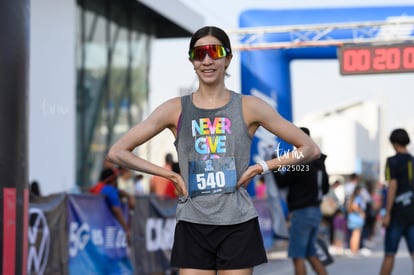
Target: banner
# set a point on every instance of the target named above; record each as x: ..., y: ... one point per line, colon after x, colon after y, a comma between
x: 265, y: 221
x: 47, y: 240
x: 77, y: 234
x: 153, y: 225
x: 97, y: 243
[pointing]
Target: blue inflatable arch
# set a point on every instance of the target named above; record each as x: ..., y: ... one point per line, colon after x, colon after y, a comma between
x: 266, y: 73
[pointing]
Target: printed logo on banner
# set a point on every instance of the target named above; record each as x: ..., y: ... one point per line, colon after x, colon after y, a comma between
x: 39, y: 242
x: 160, y: 233
x: 78, y: 237
x: 97, y: 243
x: 108, y: 237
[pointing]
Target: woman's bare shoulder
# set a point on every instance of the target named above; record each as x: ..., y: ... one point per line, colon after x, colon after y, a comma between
x: 251, y: 101
x: 172, y: 102
x: 253, y: 105
x: 169, y: 110
x: 169, y: 106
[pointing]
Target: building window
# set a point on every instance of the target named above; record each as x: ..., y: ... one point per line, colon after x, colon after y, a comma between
x: 113, y: 46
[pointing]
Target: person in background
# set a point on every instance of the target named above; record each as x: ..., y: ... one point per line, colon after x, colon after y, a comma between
x: 126, y: 181
x: 35, y: 189
x: 170, y: 190
x: 330, y: 206
x: 399, y: 216
x: 339, y: 221
x: 114, y: 198
x: 372, y: 214
x: 355, y: 220
x: 355, y: 180
x: 217, y: 229
x: 368, y: 208
x: 350, y: 185
x: 306, y: 184
x: 139, y: 185
x: 260, y: 188
x: 158, y: 184
x: 107, y: 174
x: 339, y: 190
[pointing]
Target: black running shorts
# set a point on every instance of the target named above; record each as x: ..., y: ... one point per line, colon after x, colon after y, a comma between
x: 218, y: 247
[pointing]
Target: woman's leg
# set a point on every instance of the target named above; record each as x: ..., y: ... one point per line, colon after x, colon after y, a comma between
x: 355, y: 240
x: 189, y: 271
x: 245, y: 271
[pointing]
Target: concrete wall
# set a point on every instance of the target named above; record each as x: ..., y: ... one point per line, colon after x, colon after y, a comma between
x: 52, y: 114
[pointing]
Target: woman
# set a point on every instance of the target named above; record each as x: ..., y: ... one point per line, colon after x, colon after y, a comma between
x: 355, y: 219
x: 217, y: 226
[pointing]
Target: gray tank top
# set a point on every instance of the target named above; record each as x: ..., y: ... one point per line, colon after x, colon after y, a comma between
x: 213, y: 148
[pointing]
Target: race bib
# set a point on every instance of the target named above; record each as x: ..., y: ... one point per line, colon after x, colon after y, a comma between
x: 212, y: 176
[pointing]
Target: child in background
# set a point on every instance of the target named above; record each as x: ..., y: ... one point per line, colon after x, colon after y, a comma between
x: 260, y: 188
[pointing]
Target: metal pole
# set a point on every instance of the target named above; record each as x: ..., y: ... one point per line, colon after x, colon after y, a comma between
x: 14, y: 195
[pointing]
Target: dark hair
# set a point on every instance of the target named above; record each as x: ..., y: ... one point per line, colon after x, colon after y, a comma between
x: 355, y: 193
x: 213, y: 31
x: 169, y: 158
x: 399, y: 136
x: 176, y: 167
x: 305, y: 130
x: 108, y: 175
x: 35, y: 188
x: 353, y: 176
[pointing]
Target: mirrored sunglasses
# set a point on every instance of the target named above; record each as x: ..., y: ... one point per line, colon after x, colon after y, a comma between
x: 214, y: 51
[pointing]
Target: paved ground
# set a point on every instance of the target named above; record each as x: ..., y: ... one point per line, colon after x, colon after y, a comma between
x: 343, y: 265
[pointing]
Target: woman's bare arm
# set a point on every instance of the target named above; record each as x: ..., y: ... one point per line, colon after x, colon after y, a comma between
x: 164, y: 117
x: 258, y: 113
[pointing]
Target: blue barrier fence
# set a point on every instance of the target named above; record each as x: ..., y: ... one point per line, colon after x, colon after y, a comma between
x: 77, y: 234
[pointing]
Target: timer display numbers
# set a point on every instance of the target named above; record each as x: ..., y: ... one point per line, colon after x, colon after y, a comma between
x: 373, y: 59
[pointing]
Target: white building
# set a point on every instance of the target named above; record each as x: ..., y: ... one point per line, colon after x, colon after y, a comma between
x: 351, y: 137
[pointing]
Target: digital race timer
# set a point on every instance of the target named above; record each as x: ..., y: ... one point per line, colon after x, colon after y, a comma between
x: 371, y: 59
